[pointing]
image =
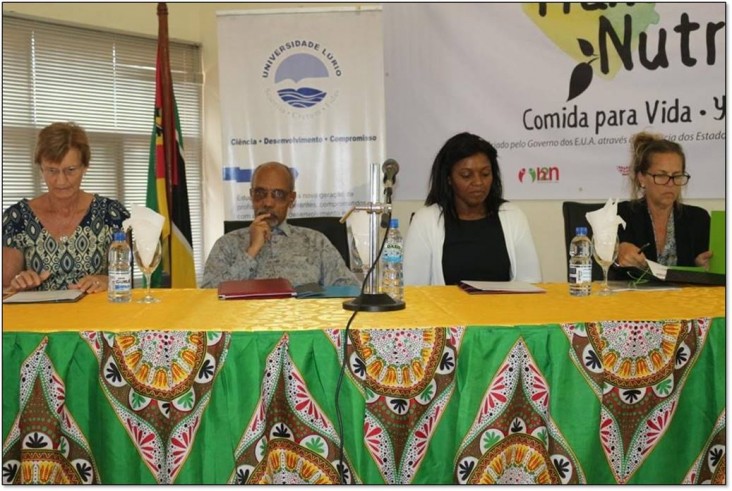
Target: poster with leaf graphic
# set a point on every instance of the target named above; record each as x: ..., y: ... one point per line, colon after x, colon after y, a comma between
x: 559, y: 89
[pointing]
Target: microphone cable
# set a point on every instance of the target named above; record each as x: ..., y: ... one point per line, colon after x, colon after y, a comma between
x: 339, y: 416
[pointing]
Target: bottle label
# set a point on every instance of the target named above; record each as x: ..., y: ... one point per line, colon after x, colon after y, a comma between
x: 392, y: 253
x: 119, y: 281
x: 580, y: 273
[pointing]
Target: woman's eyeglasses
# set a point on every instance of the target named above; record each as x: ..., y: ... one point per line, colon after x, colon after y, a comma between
x: 54, y: 172
x: 261, y: 193
x: 663, y: 179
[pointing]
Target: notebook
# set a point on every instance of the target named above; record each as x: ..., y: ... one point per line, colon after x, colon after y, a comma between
x: 256, y: 289
x: 717, y: 242
x: 481, y: 287
x: 313, y: 290
x: 47, y: 296
x: 686, y: 274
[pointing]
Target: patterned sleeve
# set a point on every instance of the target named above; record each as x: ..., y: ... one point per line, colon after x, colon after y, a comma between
x: 116, y: 213
x: 228, y: 260
x: 12, y: 226
x: 333, y: 268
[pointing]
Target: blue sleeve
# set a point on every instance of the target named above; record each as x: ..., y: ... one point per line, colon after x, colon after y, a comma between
x: 12, y: 226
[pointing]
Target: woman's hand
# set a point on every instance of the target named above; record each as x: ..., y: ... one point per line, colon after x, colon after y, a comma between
x: 28, y: 280
x: 630, y: 255
x: 91, y: 284
x: 703, y: 259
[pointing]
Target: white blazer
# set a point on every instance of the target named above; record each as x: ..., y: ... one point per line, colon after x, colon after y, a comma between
x: 426, y: 236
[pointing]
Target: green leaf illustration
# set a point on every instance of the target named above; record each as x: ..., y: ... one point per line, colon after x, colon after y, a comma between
x: 664, y: 386
x: 186, y: 400
x: 137, y: 400
x: 490, y: 439
x: 427, y: 393
x: 317, y: 445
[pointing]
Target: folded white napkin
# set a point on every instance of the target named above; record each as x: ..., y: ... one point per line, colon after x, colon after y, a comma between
x: 604, y: 223
x: 146, y: 225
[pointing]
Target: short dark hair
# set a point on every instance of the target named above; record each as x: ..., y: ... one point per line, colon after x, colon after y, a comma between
x: 458, y: 147
x: 56, y: 139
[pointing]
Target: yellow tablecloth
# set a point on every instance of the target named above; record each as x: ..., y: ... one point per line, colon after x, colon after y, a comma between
x: 198, y: 309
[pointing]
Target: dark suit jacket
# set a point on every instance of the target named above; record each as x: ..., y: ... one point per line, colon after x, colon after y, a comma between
x: 691, y: 226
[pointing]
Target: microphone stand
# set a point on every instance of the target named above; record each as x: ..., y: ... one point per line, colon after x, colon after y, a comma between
x: 371, y: 300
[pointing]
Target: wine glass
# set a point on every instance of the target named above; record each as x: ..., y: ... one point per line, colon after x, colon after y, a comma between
x: 147, y: 269
x: 605, y: 252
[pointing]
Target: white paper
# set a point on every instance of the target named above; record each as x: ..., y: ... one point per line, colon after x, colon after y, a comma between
x: 627, y: 286
x: 604, y: 223
x: 44, y: 296
x: 658, y: 270
x: 146, y: 227
x: 504, y: 286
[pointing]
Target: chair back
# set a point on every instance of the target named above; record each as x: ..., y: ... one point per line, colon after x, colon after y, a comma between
x: 331, y: 227
x: 574, y: 216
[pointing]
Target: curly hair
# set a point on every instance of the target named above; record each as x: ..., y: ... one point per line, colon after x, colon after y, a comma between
x: 455, y: 149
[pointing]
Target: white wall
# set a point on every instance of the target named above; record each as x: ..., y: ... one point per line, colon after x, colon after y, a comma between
x: 196, y: 22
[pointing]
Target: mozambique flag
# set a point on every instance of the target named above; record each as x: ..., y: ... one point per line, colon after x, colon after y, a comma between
x: 166, y: 186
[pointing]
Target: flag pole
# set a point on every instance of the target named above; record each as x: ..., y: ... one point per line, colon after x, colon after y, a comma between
x: 167, y: 116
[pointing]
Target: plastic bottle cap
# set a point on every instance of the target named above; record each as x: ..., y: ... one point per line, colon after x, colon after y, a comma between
x: 394, y: 223
x: 119, y: 235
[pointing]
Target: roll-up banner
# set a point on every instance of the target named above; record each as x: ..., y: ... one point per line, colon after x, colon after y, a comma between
x: 304, y: 87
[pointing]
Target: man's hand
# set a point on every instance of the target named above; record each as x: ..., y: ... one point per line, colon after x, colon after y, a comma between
x: 259, y: 233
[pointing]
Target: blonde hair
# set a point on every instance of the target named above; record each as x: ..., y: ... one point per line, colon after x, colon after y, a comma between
x: 56, y: 139
x: 643, y: 146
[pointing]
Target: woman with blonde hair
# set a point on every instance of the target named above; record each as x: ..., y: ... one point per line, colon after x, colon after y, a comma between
x: 658, y: 226
x: 59, y: 240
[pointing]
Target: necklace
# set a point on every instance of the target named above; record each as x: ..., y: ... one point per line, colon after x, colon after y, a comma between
x: 63, y: 223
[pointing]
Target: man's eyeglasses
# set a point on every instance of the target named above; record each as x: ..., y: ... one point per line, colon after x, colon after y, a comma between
x: 261, y: 193
x: 663, y: 179
x: 54, y: 172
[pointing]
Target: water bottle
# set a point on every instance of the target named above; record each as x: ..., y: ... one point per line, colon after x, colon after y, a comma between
x: 580, y: 264
x: 392, y: 279
x: 119, y: 289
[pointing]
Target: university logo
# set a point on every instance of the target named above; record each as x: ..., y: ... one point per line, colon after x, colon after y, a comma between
x: 303, y: 77
x: 539, y: 174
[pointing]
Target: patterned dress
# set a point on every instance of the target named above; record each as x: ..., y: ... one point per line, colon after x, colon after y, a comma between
x: 82, y: 253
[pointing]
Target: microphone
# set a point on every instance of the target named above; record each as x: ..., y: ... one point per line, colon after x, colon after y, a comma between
x: 390, y: 168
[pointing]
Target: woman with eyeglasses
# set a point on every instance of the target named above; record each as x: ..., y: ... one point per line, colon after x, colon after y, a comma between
x: 658, y: 226
x: 59, y: 240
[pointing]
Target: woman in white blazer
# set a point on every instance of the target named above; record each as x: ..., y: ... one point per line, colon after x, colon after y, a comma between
x: 467, y: 231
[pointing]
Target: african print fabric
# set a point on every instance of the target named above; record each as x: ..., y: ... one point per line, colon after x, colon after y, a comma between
x: 604, y: 402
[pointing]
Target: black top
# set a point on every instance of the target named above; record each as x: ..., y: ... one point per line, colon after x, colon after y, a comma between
x: 691, y: 225
x: 475, y: 250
